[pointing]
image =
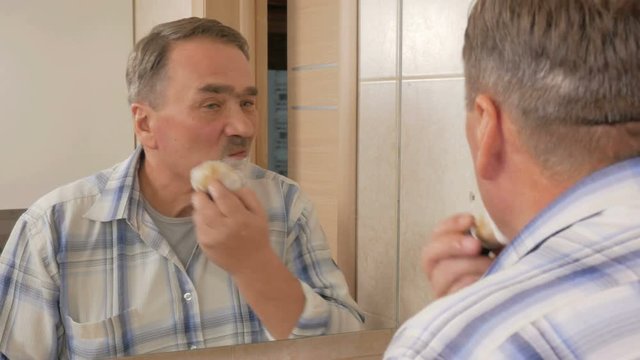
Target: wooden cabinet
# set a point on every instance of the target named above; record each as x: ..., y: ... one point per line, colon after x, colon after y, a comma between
x: 322, y: 67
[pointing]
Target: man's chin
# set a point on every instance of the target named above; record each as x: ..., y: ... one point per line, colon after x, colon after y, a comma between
x: 236, y: 162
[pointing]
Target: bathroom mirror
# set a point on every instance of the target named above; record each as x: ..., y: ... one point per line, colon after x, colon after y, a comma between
x: 406, y: 155
x: 66, y: 113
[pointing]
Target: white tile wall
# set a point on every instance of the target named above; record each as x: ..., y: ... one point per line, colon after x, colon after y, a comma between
x: 432, y: 36
x: 378, y: 161
x: 434, y: 171
x: 436, y: 174
x: 377, y: 202
x: 378, y: 38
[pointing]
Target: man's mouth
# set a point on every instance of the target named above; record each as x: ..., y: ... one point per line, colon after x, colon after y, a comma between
x: 237, y: 154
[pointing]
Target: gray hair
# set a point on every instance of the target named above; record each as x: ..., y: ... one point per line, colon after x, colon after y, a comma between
x: 148, y: 60
x: 569, y: 71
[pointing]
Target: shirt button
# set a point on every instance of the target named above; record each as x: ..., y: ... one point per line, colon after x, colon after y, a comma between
x: 188, y: 296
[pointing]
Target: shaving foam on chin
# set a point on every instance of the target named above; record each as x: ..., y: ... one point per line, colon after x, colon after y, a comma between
x: 502, y: 239
x: 481, y: 214
x: 203, y: 174
x: 236, y: 164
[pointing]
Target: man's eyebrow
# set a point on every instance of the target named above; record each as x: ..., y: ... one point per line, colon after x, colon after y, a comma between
x: 229, y: 90
x: 251, y: 91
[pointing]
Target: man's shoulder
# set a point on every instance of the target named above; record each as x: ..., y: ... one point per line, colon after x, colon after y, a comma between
x: 279, y: 193
x: 81, y: 190
x: 257, y: 173
x: 267, y: 181
x: 422, y: 335
x: 456, y: 325
x: 496, y: 309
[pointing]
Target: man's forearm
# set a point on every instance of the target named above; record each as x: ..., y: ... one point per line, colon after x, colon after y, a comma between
x: 273, y: 293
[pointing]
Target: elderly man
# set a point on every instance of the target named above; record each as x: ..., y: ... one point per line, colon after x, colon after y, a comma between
x: 553, y: 127
x: 131, y: 260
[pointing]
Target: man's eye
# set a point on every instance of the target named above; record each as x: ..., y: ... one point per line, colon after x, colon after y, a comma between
x: 212, y: 106
x: 248, y: 104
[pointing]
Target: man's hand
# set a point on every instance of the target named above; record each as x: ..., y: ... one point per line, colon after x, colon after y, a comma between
x: 452, y: 260
x: 233, y: 232
x: 231, y: 228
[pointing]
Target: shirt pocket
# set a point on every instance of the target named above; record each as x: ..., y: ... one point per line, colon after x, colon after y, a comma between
x: 106, y: 338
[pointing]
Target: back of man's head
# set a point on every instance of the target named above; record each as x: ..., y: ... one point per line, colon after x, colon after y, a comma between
x: 148, y: 60
x: 568, y: 71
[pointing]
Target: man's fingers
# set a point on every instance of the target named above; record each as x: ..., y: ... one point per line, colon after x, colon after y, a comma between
x: 200, y: 201
x: 250, y: 201
x: 205, y: 211
x: 457, y: 223
x: 448, y: 246
x: 228, y: 202
x: 452, y: 258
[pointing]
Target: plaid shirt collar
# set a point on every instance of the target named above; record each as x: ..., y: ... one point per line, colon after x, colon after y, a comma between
x: 121, y: 191
x: 593, y: 194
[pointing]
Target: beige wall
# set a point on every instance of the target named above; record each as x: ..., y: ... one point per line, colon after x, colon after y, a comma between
x: 413, y: 163
x: 149, y: 13
x: 62, y: 93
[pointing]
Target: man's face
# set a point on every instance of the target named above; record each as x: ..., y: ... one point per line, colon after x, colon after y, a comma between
x: 206, y: 106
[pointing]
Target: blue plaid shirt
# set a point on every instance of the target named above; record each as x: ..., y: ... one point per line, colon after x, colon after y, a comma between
x: 86, y: 274
x: 567, y: 287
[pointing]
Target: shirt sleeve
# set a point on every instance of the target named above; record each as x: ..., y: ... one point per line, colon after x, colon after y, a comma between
x: 29, y: 316
x: 329, y: 307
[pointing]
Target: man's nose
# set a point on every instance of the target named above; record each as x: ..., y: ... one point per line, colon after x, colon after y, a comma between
x: 240, y: 123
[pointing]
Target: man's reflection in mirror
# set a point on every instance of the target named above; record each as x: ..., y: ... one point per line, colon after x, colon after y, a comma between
x: 132, y: 260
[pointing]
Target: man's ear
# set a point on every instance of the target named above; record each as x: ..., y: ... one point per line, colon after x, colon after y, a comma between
x: 489, y: 135
x: 142, y: 125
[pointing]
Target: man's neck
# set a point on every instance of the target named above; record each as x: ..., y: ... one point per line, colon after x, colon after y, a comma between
x: 165, y: 192
x: 532, y: 192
